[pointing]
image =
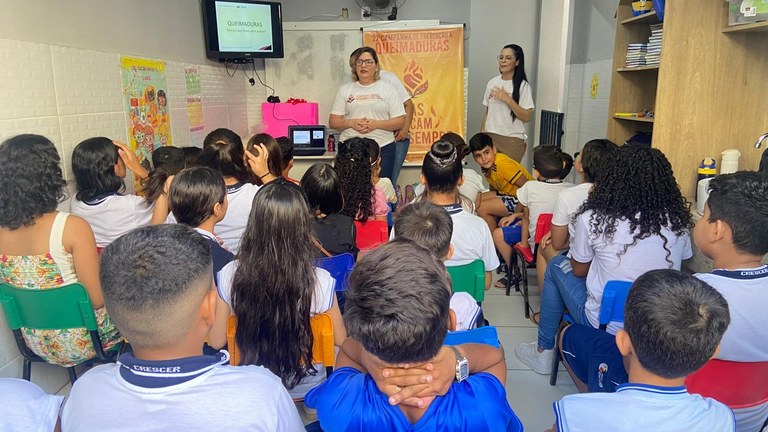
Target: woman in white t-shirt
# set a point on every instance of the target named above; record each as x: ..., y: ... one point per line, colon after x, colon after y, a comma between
x: 508, y: 104
x: 634, y: 220
x: 368, y: 107
x: 276, y: 289
x: 99, y: 166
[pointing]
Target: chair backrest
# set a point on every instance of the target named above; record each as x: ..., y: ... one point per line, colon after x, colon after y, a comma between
x: 484, y: 335
x: 59, y: 308
x: 612, y: 307
x: 323, y: 350
x: 339, y: 266
x: 371, y: 234
x: 469, y: 278
x: 543, y: 226
x: 736, y: 384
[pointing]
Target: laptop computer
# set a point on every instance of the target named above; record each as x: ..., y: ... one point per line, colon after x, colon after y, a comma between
x: 308, y: 140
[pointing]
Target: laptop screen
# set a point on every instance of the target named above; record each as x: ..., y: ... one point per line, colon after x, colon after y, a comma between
x: 312, y: 136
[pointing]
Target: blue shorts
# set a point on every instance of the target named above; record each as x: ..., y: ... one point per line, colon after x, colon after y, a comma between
x: 594, y: 358
x: 510, y: 202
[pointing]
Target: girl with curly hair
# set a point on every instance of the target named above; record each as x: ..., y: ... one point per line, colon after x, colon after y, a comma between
x: 634, y: 220
x: 274, y: 290
x: 42, y: 248
x: 358, y: 164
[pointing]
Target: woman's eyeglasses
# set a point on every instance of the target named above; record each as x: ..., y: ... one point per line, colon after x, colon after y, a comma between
x: 368, y: 62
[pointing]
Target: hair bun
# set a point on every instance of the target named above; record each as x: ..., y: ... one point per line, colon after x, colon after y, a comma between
x: 443, y: 153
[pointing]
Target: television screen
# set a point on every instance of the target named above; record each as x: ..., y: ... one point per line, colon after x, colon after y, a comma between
x: 242, y: 29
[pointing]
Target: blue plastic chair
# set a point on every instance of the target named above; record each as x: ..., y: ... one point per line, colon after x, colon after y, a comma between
x: 339, y: 266
x: 484, y: 335
x: 611, y: 310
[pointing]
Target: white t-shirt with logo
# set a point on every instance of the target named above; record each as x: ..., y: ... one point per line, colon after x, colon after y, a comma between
x: 540, y: 197
x: 377, y: 101
x: 499, y: 120
x: 393, y: 80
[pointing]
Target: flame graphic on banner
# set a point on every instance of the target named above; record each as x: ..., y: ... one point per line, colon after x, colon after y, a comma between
x: 438, y: 118
x: 414, y: 79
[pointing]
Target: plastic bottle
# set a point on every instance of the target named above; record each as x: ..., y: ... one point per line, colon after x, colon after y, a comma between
x: 331, y: 143
x: 729, y: 163
x: 707, y: 169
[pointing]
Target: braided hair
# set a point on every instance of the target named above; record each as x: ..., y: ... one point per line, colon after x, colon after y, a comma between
x: 354, y: 168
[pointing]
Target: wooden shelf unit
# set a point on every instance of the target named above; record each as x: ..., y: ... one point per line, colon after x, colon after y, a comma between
x: 754, y: 27
x: 646, y: 18
x: 634, y: 119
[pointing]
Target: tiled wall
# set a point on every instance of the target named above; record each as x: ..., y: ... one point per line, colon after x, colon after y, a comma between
x: 69, y: 94
x: 586, y: 118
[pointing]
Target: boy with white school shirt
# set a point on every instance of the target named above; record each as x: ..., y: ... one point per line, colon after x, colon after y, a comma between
x: 673, y: 326
x: 158, y: 287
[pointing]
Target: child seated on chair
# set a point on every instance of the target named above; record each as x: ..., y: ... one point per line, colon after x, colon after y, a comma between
x: 358, y: 164
x: 505, y: 176
x: 534, y: 198
x: 733, y: 233
x: 672, y: 326
x: 158, y: 287
x: 471, y: 239
x: 431, y: 227
x: 397, y: 308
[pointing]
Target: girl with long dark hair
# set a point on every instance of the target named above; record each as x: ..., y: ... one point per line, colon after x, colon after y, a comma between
x: 357, y: 164
x: 508, y: 104
x: 335, y: 232
x: 634, y: 220
x: 276, y: 289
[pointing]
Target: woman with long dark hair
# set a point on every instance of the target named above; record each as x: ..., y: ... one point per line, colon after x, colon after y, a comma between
x: 276, y: 289
x: 508, y: 104
x: 634, y: 220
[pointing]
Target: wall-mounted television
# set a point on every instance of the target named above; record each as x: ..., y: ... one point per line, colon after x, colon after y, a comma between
x: 238, y: 30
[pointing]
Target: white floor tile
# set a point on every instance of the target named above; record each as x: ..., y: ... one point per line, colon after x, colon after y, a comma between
x: 531, y: 397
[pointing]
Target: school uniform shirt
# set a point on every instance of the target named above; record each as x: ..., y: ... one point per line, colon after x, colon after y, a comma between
x: 220, y: 256
x: 471, y: 239
x: 322, y: 300
x: 499, y: 120
x: 240, y: 199
x: 567, y: 204
x: 112, y: 215
x: 611, y: 262
x: 26, y: 407
x: 465, y: 307
x: 472, y: 186
x: 188, y: 394
x: 640, y: 407
x: 378, y: 101
x: 540, y: 197
x: 504, y: 173
x: 350, y: 401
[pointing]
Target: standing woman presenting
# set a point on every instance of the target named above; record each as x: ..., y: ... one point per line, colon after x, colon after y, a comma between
x: 508, y: 104
x: 369, y: 108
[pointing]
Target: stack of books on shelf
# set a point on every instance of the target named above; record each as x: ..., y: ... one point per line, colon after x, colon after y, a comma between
x: 636, y: 53
x: 654, y: 46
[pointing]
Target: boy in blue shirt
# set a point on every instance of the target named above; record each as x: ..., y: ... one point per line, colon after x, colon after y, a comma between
x: 673, y: 325
x: 397, y: 307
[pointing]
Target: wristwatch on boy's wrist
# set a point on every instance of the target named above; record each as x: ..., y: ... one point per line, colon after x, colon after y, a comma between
x: 462, y: 365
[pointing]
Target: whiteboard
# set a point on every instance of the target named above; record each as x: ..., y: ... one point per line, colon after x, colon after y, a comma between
x: 316, y: 59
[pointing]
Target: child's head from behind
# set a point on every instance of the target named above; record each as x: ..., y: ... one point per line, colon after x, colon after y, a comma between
x: 190, y: 156
x: 196, y: 194
x: 461, y: 146
x: 427, y: 225
x: 567, y: 165
x: 286, y: 151
x: 353, y: 163
x: 548, y: 161
x: 398, y: 302
x: 441, y: 168
x: 740, y: 201
x: 674, y: 322
x: 166, y: 161
x: 596, y: 157
x: 31, y: 182
x: 98, y: 168
x: 274, y: 154
x: 157, y: 284
x: 322, y: 184
x: 223, y: 151
x: 483, y: 150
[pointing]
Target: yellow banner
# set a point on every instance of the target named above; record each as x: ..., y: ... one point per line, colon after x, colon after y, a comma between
x: 430, y: 64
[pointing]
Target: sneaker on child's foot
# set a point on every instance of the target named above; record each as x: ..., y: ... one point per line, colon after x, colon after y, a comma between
x: 539, y: 362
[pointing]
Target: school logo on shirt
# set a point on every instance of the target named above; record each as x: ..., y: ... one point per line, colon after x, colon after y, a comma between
x: 350, y: 99
x: 601, y: 370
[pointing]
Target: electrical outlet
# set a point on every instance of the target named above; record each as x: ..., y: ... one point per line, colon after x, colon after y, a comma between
x: 365, y: 13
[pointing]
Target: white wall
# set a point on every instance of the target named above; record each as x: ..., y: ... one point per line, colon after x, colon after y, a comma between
x: 61, y: 78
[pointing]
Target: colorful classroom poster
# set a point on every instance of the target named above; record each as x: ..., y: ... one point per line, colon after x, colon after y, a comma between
x: 194, y: 105
x: 146, y: 103
x: 430, y: 64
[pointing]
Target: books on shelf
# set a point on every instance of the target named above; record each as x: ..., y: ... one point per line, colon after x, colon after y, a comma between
x: 636, y: 53
x: 646, y: 54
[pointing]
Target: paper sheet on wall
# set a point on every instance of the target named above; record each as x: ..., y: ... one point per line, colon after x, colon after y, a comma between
x: 194, y: 105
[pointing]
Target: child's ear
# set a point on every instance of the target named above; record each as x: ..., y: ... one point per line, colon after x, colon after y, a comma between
x: 449, y: 254
x: 536, y: 174
x: 218, y: 210
x: 624, y: 343
x: 451, y: 320
x: 461, y: 180
x: 720, y: 230
x: 422, y: 179
x: 208, y: 307
x: 717, y: 351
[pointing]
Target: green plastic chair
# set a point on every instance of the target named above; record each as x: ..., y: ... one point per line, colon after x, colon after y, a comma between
x: 61, y: 308
x: 469, y: 278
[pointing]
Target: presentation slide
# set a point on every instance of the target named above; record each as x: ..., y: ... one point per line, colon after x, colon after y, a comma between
x: 244, y: 27
x: 301, y: 137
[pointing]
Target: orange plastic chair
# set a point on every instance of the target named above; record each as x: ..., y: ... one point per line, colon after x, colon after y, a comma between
x: 323, y: 348
x: 735, y: 384
x: 371, y: 234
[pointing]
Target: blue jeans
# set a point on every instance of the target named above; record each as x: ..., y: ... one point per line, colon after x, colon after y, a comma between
x: 388, y: 160
x: 561, y: 290
x: 401, y: 150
